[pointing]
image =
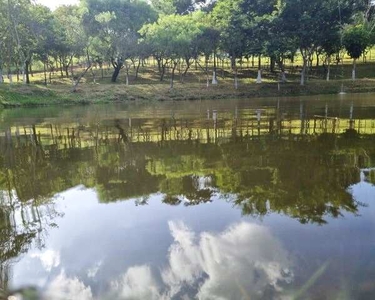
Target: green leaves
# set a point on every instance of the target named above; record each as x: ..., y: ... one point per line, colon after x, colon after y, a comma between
x: 356, y: 39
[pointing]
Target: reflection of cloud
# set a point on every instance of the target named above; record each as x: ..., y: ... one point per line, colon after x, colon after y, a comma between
x: 245, y: 261
x: 136, y: 283
x: 49, y: 259
x: 65, y: 288
x: 91, y: 273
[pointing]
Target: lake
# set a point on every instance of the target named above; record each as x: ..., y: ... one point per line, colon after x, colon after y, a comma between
x: 236, y: 199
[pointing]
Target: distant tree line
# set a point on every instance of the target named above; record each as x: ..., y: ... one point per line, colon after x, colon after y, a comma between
x: 180, y: 33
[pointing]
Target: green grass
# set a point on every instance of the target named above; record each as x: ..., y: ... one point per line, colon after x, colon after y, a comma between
x: 148, y: 87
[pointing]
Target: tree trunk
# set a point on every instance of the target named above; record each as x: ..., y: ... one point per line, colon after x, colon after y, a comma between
x: 280, y: 63
x: 74, y: 89
x: 272, y: 64
x: 61, y: 69
x: 31, y: 69
x: 27, y: 65
x: 172, y: 77
x: 137, y: 69
x: 188, y: 64
x: 235, y: 79
x: 259, y: 78
x: 303, y: 72
x: 93, y: 76
x: 162, y: 72
x: 234, y: 68
x: 117, y: 67
x: 66, y: 71
x: 214, y: 78
x: 127, y: 76
x: 45, y: 73
x: 354, y: 69
x: 161, y: 67
x: 1, y: 75
x: 328, y: 68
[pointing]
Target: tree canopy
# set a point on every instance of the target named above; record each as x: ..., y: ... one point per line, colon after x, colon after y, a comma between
x: 179, y: 32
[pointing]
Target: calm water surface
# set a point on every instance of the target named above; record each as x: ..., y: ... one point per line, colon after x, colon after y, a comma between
x: 249, y: 199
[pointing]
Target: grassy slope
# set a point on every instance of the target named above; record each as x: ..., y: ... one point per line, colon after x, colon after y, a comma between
x: 148, y: 88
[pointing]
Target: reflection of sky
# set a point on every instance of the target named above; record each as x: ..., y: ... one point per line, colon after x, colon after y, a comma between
x: 158, y: 251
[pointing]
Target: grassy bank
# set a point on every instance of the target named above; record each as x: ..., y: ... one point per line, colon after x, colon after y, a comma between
x: 38, y: 95
x: 147, y: 86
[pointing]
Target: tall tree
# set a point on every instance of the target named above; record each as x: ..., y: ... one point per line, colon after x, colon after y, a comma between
x: 356, y: 40
x: 172, y: 39
x: 28, y: 28
x: 70, y: 39
x: 311, y: 21
x: 117, y: 22
x: 232, y: 24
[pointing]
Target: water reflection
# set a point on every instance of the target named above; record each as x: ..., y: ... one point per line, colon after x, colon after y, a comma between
x: 243, y: 262
x: 305, y: 178
x: 263, y: 162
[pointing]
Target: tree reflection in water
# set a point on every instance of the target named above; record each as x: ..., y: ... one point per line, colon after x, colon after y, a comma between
x: 305, y: 177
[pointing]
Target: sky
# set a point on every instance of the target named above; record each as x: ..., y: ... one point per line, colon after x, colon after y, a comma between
x: 55, y: 3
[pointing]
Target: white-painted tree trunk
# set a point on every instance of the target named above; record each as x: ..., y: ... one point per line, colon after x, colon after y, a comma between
x: 1, y: 76
x: 127, y: 79
x: 354, y: 69
x: 10, y: 78
x: 329, y: 69
x: 214, y: 78
x: 259, y: 77
x: 23, y: 76
x: 283, y: 76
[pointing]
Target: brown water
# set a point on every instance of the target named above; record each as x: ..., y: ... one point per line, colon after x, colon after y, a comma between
x: 249, y: 199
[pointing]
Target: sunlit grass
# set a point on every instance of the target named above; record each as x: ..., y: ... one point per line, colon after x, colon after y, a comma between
x: 96, y: 87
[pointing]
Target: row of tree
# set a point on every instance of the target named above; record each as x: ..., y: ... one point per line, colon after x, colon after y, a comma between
x: 179, y: 33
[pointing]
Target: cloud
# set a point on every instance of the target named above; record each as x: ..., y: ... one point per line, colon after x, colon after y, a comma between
x: 243, y: 262
x: 91, y: 273
x: 136, y: 283
x: 49, y: 259
x: 65, y: 288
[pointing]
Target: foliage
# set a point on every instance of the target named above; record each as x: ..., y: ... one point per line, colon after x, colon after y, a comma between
x: 356, y: 40
x: 177, y: 32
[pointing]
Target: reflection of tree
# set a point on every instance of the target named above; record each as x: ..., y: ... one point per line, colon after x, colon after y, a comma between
x: 187, y: 187
x: 294, y: 178
x: 21, y: 225
x: 305, y: 177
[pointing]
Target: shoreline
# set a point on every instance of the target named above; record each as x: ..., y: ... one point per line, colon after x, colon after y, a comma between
x: 20, y: 95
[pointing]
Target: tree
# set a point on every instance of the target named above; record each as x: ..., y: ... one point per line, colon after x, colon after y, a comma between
x: 117, y: 22
x: 232, y: 24
x: 70, y: 40
x: 330, y: 45
x: 259, y: 15
x: 356, y: 40
x: 172, y: 39
x: 29, y: 26
x: 311, y: 21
